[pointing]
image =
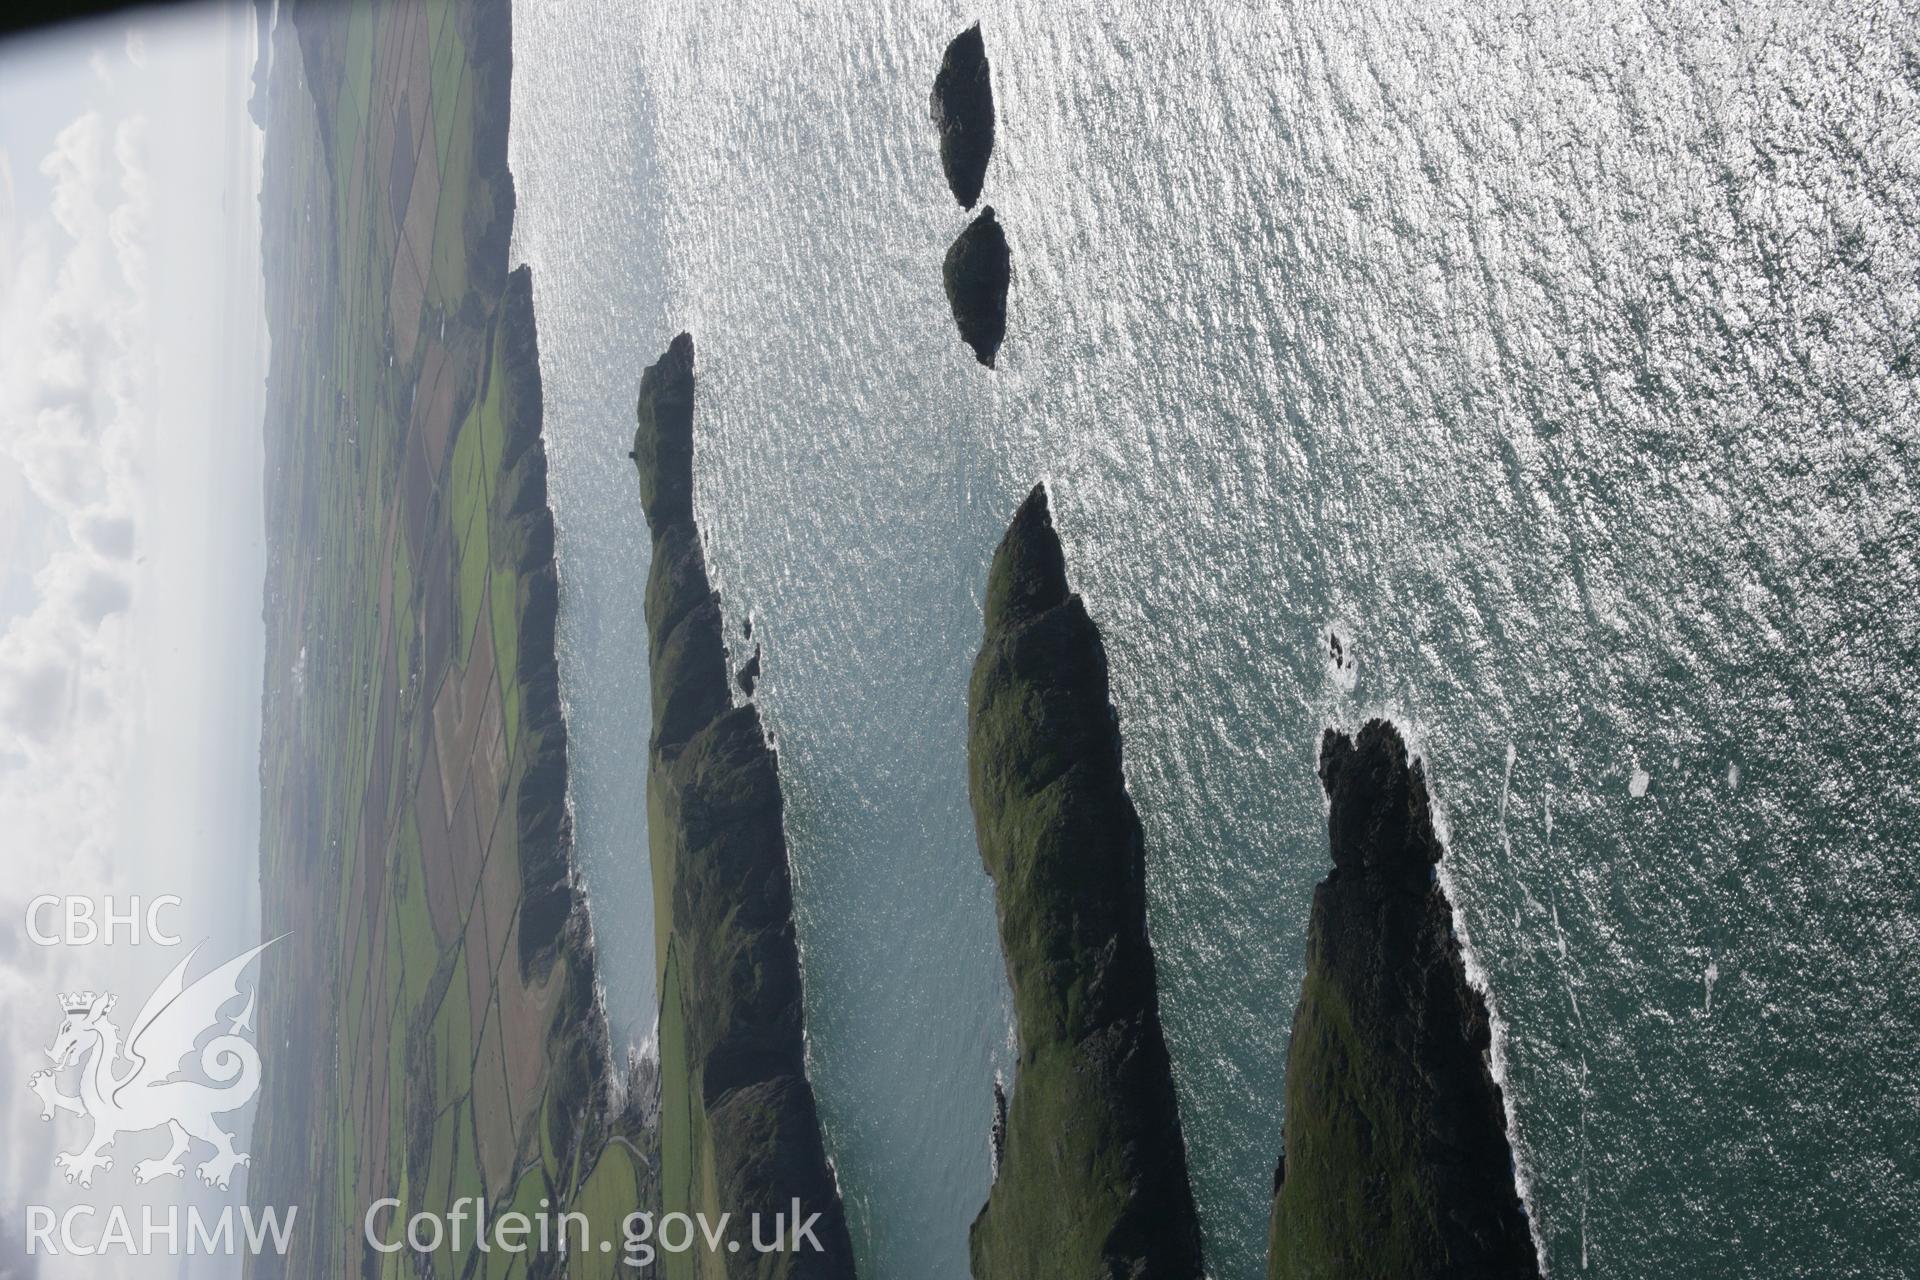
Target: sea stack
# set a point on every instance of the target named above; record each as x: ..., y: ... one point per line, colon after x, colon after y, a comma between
x: 739, y: 1129
x: 962, y: 110
x: 1092, y: 1172
x: 1396, y: 1164
x: 978, y: 271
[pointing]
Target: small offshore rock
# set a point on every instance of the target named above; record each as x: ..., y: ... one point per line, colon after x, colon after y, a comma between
x: 978, y: 272
x: 962, y: 109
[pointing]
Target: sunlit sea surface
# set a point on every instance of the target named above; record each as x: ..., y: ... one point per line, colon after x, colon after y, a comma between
x: 1558, y: 358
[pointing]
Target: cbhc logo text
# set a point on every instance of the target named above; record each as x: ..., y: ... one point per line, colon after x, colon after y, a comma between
x: 80, y: 922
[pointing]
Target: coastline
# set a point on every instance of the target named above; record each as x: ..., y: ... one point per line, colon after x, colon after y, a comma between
x: 1396, y: 1160
x: 443, y: 1038
x: 1091, y: 1175
x: 739, y: 1125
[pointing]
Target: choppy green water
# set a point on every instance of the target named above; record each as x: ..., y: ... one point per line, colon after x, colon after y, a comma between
x: 1561, y: 358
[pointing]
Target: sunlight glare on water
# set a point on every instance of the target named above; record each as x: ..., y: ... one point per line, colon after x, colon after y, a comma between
x: 1558, y: 358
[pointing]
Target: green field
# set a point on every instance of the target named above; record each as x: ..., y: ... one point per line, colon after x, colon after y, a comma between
x: 432, y: 1025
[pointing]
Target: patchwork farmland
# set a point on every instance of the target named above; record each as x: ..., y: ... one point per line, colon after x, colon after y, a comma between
x: 430, y: 1027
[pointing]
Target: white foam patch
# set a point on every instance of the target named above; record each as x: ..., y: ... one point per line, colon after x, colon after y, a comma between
x: 1338, y: 652
x: 1584, y: 1179
x: 1497, y: 1052
x: 1506, y: 791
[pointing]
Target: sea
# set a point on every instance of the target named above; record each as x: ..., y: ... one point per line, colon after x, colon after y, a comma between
x: 1538, y: 373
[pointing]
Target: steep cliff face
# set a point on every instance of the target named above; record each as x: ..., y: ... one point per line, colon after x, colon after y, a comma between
x: 554, y: 922
x: 739, y: 1129
x: 962, y: 110
x: 1092, y: 1176
x: 550, y: 901
x: 1396, y: 1163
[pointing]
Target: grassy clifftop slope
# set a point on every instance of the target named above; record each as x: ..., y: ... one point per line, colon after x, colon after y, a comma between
x: 1092, y: 1180
x: 740, y: 1132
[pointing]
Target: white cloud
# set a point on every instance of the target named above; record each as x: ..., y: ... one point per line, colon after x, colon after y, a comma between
x: 74, y: 381
x: 131, y: 368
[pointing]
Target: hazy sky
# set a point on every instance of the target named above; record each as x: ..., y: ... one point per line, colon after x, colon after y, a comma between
x: 132, y: 356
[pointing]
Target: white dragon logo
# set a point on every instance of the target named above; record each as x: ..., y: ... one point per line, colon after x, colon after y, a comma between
x: 150, y: 1092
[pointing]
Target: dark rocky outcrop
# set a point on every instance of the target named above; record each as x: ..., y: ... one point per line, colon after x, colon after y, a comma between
x: 740, y: 1132
x: 962, y: 109
x: 997, y: 1135
x: 978, y: 271
x: 1092, y: 1179
x: 1395, y: 1163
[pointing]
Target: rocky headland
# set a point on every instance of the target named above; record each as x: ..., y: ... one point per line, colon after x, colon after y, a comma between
x: 1091, y: 1166
x: 739, y: 1128
x: 1395, y: 1162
